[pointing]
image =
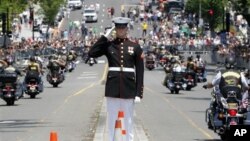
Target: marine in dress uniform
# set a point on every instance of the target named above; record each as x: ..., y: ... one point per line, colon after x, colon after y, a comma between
x: 124, y: 85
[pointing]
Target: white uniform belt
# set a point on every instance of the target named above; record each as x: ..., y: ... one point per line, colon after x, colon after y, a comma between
x: 121, y: 69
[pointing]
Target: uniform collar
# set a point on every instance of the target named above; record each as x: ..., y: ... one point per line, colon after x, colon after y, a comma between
x: 121, y: 39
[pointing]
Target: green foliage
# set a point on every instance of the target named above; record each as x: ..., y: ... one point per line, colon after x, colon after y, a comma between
x: 15, y: 6
x: 192, y: 6
x: 242, y: 7
x: 50, y: 9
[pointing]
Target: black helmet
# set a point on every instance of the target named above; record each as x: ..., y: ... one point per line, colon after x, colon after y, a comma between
x: 32, y: 59
x: 190, y: 58
x: 230, y: 62
x: 198, y: 56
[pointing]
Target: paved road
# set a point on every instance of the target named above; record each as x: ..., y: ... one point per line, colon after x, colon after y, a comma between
x: 70, y: 110
x: 176, y: 117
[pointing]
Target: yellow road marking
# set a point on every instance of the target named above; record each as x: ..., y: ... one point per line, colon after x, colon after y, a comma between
x: 183, y: 115
x: 104, y: 73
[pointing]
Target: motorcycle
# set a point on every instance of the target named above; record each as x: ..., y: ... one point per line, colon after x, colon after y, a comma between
x: 200, y: 74
x: 31, y: 85
x: 9, y: 89
x: 189, y: 80
x: 176, y: 84
x: 55, y: 78
x: 224, y: 111
x: 150, y: 64
x: 71, y: 66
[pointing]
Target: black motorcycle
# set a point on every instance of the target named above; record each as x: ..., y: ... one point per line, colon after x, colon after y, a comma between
x: 176, y: 83
x: 224, y: 111
x: 200, y: 74
x: 8, y: 88
x: 55, y: 77
x: 150, y: 64
x: 189, y: 80
x: 32, y: 85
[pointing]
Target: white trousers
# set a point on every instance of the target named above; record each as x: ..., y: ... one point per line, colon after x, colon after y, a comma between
x: 127, y: 106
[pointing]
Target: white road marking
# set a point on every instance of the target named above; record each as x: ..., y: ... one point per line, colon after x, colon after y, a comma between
x: 101, y: 61
x: 88, y: 74
x: 7, y: 121
x: 87, y: 77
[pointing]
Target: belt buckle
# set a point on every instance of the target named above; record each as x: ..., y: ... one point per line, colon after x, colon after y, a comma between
x: 121, y: 69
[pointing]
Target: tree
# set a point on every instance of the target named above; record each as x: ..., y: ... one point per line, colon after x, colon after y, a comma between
x: 16, y: 6
x: 211, y: 11
x: 50, y: 9
x: 242, y: 7
x: 12, y: 8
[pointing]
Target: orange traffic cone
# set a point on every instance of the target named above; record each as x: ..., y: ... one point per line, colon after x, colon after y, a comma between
x: 53, y: 136
x: 118, y: 131
x: 121, y: 117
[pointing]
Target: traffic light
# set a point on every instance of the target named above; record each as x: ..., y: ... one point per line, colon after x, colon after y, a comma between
x: 211, y: 12
x: 211, y: 8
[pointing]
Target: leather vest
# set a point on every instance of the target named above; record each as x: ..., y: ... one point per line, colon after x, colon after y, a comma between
x: 230, y: 78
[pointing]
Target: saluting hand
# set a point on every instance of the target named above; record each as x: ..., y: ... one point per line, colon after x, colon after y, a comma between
x: 109, y: 31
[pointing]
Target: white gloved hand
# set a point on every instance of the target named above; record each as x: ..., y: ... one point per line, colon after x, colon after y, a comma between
x: 137, y: 99
x: 109, y: 31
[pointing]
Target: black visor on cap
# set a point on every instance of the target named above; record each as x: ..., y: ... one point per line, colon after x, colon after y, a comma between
x: 121, y: 25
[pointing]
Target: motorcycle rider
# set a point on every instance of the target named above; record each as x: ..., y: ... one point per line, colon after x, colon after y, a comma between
x: 230, y: 75
x: 150, y: 58
x: 172, y: 66
x: 33, y: 70
x: 201, y: 65
x: 54, y: 61
x: 11, y: 70
x: 191, y: 67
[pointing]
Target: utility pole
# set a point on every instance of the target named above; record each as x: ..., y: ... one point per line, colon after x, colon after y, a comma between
x: 200, y: 19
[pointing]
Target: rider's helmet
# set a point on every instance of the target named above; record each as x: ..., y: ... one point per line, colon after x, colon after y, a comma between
x: 190, y: 58
x: 230, y: 62
x: 32, y: 59
x: 198, y: 56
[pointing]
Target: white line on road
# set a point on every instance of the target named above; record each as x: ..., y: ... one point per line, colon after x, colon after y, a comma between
x: 7, y: 121
x: 87, y: 77
x: 88, y: 72
x: 102, y: 21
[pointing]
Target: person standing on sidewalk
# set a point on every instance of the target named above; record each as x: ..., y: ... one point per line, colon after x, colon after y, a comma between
x: 124, y: 85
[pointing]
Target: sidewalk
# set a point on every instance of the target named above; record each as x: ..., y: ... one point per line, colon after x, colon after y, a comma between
x: 26, y: 31
x: 101, y: 130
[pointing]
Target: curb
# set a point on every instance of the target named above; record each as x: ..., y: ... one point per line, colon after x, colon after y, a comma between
x: 101, y: 132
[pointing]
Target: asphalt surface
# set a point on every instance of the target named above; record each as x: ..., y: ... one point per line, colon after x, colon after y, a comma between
x: 71, y: 109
